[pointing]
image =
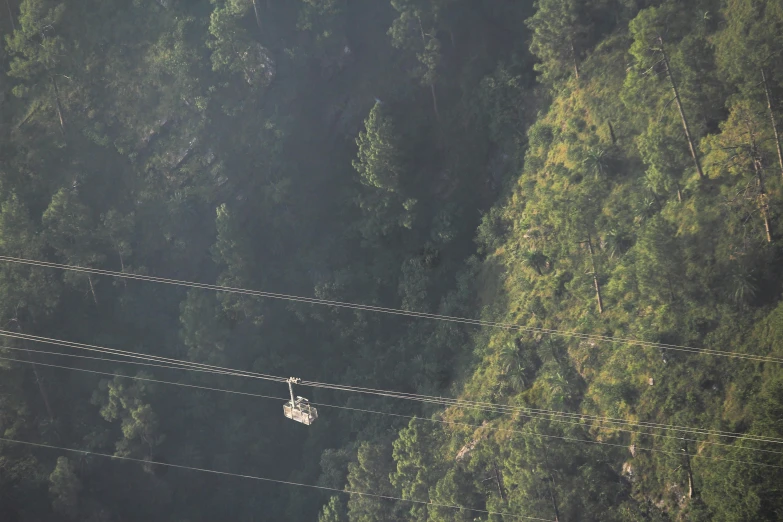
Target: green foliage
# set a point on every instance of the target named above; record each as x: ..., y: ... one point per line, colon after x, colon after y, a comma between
x: 214, y: 141
x: 455, y: 489
x: 64, y: 487
x: 334, y: 511
x: 233, y: 50
x: 232, y: 251
x: 415, y: 30
x: 29, y: 289
x: 379, y: 159
x: 416, y: 465
x: 123, y: 400
x: 203, y: 330
x: 502, y: 97
x: 381, y: 165
x: 36, y: 46
x: 69, y: 229
x: 751, y: 40
x: 371, y: 474
x: 595, y: 209
x: 325, y: 19
x: 559, y: 33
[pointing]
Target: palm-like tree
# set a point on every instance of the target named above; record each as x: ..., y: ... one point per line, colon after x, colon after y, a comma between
x: 617, y: 242
x: 535, y: 260
x: 512, y: 366
x: 742, y: 286
x: 597, y: 160
x: 560, y: 388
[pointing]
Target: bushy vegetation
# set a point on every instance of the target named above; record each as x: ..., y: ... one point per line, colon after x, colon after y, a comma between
x: 609, y: 167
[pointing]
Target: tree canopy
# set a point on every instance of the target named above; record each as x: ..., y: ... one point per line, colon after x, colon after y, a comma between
x: 611, y: 169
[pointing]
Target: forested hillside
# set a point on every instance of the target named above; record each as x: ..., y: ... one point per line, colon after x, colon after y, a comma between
x: 605, y: 168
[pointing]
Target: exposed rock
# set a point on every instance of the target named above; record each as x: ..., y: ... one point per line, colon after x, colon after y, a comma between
x: 628, y: 471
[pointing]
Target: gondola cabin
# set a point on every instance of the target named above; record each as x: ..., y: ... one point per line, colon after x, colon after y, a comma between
x: 299, y: 409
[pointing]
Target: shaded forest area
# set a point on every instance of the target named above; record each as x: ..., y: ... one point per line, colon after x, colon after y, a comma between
x: 611, y: 167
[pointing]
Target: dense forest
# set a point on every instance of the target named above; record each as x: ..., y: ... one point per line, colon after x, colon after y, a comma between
x: 606, y: 167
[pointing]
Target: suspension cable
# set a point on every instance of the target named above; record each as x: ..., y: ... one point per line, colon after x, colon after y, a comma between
x: 530, y: 416
x: 394, y: 311
x: 134, y: 355
x: 457, y: 403
x: 440, y: 421
x: 266, y: 479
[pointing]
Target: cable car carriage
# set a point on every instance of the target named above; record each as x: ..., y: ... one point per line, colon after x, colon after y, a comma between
x: 299, y: 409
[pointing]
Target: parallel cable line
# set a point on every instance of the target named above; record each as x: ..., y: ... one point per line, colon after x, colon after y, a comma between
x: 497, y: 408
x: 537, y: 417
x: 394, y: 311
x: 134, y: 355
x: 266, y: 479
x: 138, y: 363
x: 139, y: 378
x: 506, y: 409
x: 567, y: 439
x: 400, y: 415
x: 467, y: 403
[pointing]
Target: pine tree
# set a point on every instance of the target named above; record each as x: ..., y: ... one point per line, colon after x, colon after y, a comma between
x: 561, y: 29
x: 748, y: 51
x: 64, y: 487
x: 415, y: 30
x: 653, y: 30
x: 381, y: 169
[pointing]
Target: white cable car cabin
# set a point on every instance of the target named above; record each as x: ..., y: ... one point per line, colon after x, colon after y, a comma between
x: 299, y: 409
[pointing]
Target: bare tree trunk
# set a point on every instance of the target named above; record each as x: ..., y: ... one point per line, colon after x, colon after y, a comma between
x: 671, y: 289
x: 595, y: 276
x: 432, y: 84
x: 772, y: 120
x: 27, y: 118
x: 258, y: 16
x: 57, y: 105
x: 576, y: 65
x: 657, y: 200
x: 611, y: 132
x: 685, y: 125
x: 122, y: 267
x: 92, y: 289
x: 434, y: 101
x: 499, y: 481
x: 248, y: 78
x: 551, y: 487
x: 691, y: 487
x: 38, y: 380
x: 554, y: 502
x: 10, y: 15
x: 762, y: 196
x: 679, y: 193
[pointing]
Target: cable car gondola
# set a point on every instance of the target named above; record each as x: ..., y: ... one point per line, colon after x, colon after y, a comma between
x: 299, y: 409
